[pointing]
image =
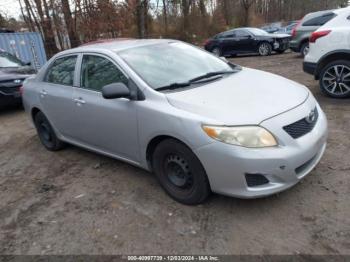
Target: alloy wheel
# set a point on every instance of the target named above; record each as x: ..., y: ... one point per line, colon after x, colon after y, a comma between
x: 336, y: 80
x: 264, y: 49
x: 306, y: 50
x: 216, y: 51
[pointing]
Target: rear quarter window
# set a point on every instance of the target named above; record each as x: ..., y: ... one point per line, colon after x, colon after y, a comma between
x: 319, y: 20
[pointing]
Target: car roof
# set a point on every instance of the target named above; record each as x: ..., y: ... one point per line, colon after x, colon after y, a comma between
x: 117, y: 45
x: 316, y: 14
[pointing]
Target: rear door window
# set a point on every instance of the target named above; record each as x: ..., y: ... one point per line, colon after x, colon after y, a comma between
x: 320, y: 20
x: 229, y: 34
x: 62, y: 71
x: 242, y: 33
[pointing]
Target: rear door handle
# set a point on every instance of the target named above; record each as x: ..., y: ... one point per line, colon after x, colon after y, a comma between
x: 43, y: 93
x: 79, y: 101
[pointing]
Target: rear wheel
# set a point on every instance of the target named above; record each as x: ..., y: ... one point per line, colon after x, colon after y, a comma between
x: 46, y: 133
x: 265, y: 49
x: 304, y: 50
x: 335, y: 79
x: 180, y: 172
x: 217, y: 51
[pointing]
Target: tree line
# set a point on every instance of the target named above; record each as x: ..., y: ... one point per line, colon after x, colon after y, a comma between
x: 69, y: 23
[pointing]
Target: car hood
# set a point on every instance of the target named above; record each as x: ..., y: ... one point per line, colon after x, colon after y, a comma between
x: 247, y: 97
x: 16, y: 73
x: 279, y: 35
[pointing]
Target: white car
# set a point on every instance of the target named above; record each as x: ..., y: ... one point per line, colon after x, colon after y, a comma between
x: 329, y: 56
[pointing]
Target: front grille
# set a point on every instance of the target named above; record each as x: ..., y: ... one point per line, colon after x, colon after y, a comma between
x: 9, y: 90
x: 303, y: 126
x: 10, y: 87
x: 256, y: 180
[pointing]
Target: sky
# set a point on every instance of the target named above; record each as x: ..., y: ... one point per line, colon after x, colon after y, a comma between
x: 10, y: 8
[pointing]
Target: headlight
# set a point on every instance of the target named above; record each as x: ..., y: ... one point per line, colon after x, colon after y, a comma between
x: 247, y: 136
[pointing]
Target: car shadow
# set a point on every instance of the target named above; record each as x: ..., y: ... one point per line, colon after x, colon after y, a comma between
x: 8, y: 110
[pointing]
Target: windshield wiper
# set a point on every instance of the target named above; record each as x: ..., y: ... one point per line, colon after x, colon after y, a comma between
x: 194, y: 80
x: 210, y: 75
x: 173, y: 86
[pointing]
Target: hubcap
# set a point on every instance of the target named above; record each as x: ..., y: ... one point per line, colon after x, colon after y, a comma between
x: 336, y: 80
x: 264, y: 49
x: 178, y: 172
x: 216, y: 51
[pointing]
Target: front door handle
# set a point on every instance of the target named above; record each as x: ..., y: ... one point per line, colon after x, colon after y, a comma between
x: 43, y: 93
x: 79, y: 101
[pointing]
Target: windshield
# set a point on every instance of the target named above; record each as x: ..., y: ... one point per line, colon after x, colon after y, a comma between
x: 8, y: 60
x: 257, y: 31
x: 164, y: 64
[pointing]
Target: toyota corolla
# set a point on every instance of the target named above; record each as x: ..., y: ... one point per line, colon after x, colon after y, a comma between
x: 200, y: 123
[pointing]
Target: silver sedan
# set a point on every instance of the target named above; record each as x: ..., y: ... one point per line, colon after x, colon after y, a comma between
x: 200, y: 123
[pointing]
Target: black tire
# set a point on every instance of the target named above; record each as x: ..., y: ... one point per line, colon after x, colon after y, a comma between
x: 265, y: 49
x: 180, y: 172
x: 335, y: 79
x: 46, y: 133
x: 217, y: 51
x: 304, y: 49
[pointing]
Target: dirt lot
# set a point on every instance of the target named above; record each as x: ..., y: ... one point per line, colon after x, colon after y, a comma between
x: 77, y: 202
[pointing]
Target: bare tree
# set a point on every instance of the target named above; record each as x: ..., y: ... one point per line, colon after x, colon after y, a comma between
x: 246, y: 4
x: 74, y: 41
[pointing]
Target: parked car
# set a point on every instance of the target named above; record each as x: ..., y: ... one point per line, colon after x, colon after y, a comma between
x: 200, y: 123
x: 247, y: 40
x: 12, y: 74
x: 287, y: 29
x: 329, y: 56
x: 272, y: 28
x: 302, y: 32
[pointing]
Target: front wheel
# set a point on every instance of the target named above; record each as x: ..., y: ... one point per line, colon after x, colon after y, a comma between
x: 180, y: 172
x: 46, y: 133
x: 265, y: 49
x: 335, y: 79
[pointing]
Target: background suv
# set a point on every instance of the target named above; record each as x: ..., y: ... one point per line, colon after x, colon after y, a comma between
x: 329, y: 56
x: 302, y: 32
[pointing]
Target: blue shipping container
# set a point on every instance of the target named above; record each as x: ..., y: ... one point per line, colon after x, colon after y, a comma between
x: 27, y: 46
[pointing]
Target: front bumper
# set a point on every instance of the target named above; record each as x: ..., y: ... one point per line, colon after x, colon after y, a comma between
x: 309, y: 68
x: 294, y: 46
x: 284, y: 166
x: 281, y: 45
x: 10, y: 99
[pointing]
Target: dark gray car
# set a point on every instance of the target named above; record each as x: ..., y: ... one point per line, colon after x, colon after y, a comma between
x: 302, y: 32
x: 12, y: 74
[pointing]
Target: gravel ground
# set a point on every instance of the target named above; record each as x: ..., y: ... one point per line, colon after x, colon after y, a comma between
x: 77, y: 202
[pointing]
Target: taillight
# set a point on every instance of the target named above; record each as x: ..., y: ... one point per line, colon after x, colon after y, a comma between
x: 294, y: 31
x: 207, y: 42
x: 21, y: 89
x: 319, y: 34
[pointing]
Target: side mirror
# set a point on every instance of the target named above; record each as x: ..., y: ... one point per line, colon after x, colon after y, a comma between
x: 115, y: 90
